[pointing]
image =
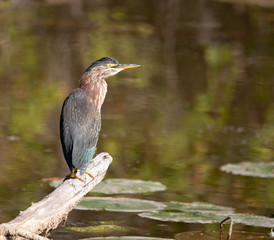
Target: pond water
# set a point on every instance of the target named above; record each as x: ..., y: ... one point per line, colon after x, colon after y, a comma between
x: 202, y: 98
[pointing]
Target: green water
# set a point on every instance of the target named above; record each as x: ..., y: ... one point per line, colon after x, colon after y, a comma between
x: 203, y: 97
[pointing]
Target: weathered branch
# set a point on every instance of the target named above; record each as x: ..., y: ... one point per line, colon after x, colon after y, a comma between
x: 47, y: 214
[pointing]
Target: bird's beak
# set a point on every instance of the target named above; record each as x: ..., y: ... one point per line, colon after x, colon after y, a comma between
x: 125, y: 66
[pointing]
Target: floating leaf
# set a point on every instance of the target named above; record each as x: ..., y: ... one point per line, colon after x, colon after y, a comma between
x: 127, y: 238
x: 253, y: 220
x: 119, y: 204
x: 55, y: 183
x: 187, y: 217
x: 198, y: 207
x: 99, y: 229
x: 209, y: 217
x: 121, y: 186
x: 213, y: 235
x: 252, y: 169
x: 206, y: 208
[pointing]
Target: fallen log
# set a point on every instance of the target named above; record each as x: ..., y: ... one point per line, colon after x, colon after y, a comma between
x: 47, y: 214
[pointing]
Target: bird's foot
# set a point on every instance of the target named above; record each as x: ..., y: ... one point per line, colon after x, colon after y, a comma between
x: 88, y: 173
x: 72, y: 175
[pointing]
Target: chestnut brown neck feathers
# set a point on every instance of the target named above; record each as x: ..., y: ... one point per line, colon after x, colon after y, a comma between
x: 95, y: 86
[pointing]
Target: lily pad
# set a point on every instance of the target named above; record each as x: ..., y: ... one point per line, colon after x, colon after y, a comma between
x: 55, y: 183
x: 121, y: 186
x: 198, y: 207
x: 213, y: 235
x: 253, y: 220
x: 187, y: 217
x: 252, y: 169
x: 99, y: 229
x: 209, y: 217
x: 119, y: 204
x: 126, y: 238
x: 213, y: 212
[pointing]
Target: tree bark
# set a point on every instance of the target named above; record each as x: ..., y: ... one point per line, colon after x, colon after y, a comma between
x: 47, y: 214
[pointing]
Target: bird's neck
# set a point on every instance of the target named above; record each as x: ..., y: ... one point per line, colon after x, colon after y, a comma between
x: 95, y: 87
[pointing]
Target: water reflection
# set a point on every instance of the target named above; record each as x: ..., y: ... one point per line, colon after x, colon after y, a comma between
x: 202, y: 98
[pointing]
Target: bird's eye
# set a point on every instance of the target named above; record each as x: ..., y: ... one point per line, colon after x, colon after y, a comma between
x: 110, y: 65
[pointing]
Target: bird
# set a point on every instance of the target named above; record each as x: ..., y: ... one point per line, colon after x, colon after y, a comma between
x: 80, y: 120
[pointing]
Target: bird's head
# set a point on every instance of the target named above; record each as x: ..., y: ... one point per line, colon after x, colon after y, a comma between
x: 107, y: 66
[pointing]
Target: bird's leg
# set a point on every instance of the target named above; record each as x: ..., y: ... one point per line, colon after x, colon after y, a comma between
x: 88, y: 173
x: 72, y: 175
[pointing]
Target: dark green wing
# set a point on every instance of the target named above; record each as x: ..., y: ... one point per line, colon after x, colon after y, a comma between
x: 80, y: 125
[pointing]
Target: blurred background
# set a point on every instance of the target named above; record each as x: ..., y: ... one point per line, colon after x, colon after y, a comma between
x: 203, y: 97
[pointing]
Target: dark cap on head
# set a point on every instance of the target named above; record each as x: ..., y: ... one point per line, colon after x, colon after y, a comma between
x: 102, y: 62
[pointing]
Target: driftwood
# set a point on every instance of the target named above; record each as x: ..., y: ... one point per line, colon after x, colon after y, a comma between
x: 47, y: 214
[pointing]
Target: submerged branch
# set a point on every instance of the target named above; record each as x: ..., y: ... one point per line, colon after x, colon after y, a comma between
x: 230, y: 226
x: 47, y: 214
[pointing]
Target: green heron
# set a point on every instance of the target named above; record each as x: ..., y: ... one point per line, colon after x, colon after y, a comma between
x: 80, y: 121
